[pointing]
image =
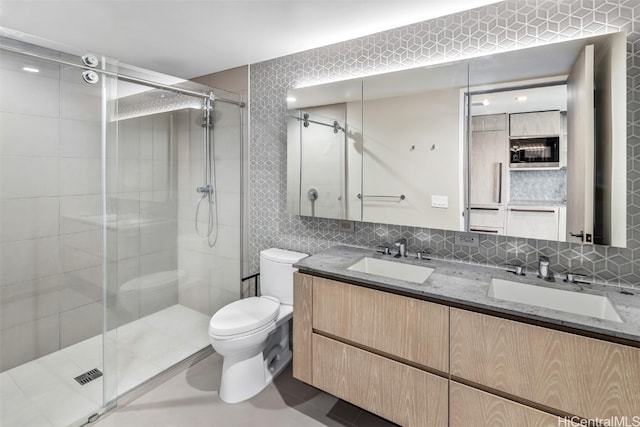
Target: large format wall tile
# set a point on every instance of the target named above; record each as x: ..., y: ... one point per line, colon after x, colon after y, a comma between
x: 503, y: 26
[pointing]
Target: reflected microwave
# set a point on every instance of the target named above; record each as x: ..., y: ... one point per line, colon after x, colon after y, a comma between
x: 534, y: 152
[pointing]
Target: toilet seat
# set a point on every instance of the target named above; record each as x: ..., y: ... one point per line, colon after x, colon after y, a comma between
x: 244, y: 316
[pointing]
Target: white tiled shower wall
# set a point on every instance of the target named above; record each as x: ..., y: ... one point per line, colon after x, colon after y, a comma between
x: 50, y: 172
x: 51, y: 255
x: 210, y: 276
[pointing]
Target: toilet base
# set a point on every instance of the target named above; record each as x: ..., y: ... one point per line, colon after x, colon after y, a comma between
x: 244, y: 376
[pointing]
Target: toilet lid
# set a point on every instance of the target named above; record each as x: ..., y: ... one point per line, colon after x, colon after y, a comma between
x: 244, y: 315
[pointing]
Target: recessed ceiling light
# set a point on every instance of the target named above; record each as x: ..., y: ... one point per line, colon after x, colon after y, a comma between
x: 485, y: 102
x: 30, y: 69
x: 521, y: 98
x: 291, y: 99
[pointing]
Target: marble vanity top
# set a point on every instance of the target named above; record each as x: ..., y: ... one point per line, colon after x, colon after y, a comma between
x: 468, y: 285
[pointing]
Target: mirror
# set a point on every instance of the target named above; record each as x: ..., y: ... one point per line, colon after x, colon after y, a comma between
x: 450, y: 147
x: 324, y: 151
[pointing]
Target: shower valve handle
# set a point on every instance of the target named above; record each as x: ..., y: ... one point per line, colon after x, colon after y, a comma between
x: 208, y: 189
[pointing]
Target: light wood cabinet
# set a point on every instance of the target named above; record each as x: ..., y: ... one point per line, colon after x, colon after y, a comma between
x: 535, y: 222
x: 542, y: 123
x: 419, y: 363
x: 386, y: 353
x: 395, y: 391
x: 473, y: 407
x: 577, y: 375
x: 488, y: 167
x: 302, y: 327
x: 407, y: 328
x: 489, y: 122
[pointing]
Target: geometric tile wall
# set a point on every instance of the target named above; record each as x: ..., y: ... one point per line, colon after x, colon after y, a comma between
x: 495, y: 28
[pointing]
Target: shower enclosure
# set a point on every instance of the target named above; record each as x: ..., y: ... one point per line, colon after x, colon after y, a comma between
x: 109, y: 276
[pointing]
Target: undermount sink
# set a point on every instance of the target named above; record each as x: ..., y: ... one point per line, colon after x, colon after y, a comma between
x: 392, y: 270
x: 556, y: 299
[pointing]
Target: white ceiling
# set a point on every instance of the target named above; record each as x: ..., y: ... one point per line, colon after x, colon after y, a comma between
x: 190, y: 38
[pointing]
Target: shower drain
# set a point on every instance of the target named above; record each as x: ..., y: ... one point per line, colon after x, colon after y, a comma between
x: 87, y: 377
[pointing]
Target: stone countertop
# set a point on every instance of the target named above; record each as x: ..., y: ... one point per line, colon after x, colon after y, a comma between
x: 468, y: 285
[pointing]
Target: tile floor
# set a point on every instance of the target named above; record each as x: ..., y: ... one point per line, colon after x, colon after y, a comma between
x: 43, y: 393
x: 190, y: 398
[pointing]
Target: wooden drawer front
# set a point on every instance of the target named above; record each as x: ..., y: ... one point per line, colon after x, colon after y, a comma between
x: 472, y: 407
x: 302, y: 326
x: 492, y: 217
x: 577, y: 375
x: 404, y: 327
x: 397, y: 392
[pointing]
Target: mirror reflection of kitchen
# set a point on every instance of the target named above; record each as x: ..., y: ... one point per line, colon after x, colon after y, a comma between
x: 537, y: 166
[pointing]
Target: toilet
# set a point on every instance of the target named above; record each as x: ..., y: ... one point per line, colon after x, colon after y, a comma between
x: 252, y: 334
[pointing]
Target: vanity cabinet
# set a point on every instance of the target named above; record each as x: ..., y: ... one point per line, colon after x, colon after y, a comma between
x: 398, y: 392
x: 406, y: 328
x: 386, y: 353
x: 420, y: 363
x: 540, y: 123
x: 566, y: 373
x: 472, y: 407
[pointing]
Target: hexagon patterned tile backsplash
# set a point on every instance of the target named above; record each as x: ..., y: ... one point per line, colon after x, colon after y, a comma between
x: 495, y: 28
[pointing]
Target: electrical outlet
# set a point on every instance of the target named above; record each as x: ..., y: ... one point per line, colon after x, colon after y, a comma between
x: 467, y: 239
x: 347, y: 226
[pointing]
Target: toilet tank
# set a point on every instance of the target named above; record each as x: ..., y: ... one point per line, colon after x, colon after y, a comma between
x: 276, y: 273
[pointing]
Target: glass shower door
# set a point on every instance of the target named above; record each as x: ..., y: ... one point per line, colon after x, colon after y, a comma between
x: 166, y: 278
x: 51, y: 232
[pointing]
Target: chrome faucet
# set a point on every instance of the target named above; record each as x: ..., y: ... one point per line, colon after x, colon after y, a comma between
x: 518, y: 270
x: 383, y: 249
x: 543, y: 269
x: 401, y: 244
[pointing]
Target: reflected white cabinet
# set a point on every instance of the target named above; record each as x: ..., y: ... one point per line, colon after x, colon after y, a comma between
x: 487, y: 219
x: 488, y: 169
x: 489, y: 122
x: 541, y: 123
x: 489, y: 159
x: 534, y: 222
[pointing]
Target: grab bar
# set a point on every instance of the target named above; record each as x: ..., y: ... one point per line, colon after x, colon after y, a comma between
x: 401, y: 197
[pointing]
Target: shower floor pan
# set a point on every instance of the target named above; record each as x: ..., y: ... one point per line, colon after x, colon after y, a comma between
x: 44, y: 393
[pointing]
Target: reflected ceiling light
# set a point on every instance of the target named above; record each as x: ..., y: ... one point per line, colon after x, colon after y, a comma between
x: 30, y: 69
x: 521, y: 98
x: 485, y: 102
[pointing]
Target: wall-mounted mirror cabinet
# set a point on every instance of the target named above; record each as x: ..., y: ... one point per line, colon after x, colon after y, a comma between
x: 528, y: 143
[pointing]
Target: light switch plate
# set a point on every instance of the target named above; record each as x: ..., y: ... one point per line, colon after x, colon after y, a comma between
x: 440, y: 201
